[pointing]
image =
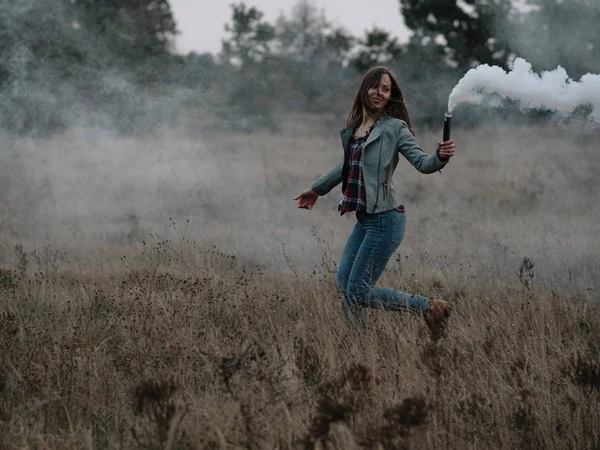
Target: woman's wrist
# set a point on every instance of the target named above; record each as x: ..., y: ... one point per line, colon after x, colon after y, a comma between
x: 440, y: 156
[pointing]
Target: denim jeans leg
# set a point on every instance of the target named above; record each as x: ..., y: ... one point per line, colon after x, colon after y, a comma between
x: 353, y: 312
x: 383, y: 234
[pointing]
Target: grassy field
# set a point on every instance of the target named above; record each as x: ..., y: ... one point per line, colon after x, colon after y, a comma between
x: 165, y: 292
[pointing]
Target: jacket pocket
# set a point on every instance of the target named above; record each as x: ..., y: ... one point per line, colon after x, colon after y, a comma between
x: 385, y: 190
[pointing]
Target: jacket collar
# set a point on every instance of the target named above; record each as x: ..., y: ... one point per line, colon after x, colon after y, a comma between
x: 374, y: 135
x: 346, y: 133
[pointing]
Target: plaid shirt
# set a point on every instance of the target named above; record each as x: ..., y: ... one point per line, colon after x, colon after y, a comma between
x: 354, y: 197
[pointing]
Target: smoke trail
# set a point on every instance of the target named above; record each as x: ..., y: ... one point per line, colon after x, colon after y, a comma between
x: 552, y: 90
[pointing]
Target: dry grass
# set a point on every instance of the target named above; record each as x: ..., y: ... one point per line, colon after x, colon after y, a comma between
x: 217, y: 355
x: 122, y: 328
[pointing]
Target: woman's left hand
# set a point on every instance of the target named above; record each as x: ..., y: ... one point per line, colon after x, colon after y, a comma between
x: 446, y: 149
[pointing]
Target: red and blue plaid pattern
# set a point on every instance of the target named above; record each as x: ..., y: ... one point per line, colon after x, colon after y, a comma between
x: 354, y: 197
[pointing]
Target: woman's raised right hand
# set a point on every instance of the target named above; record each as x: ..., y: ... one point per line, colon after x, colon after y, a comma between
x: 307, y: 199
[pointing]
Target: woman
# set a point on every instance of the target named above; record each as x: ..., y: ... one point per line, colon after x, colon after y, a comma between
x: 378, y: 130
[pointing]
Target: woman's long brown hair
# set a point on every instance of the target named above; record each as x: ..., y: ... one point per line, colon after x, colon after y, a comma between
x: 395, y: 107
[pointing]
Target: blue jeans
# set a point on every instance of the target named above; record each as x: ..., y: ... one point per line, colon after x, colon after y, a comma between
x: 371, y: 244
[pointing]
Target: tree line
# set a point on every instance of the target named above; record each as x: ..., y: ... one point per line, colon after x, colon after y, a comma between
x: 114, y: 63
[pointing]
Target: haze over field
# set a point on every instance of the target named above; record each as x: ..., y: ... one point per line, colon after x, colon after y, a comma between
x: 512, y: 192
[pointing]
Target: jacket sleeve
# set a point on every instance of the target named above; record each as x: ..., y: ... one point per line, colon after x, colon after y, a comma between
x: 407, y: 145
x: 328, y: 181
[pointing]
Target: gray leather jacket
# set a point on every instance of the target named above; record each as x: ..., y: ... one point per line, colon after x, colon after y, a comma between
x: 389, y: 138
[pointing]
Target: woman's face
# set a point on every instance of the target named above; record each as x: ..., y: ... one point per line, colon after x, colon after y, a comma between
x: 379, y: 94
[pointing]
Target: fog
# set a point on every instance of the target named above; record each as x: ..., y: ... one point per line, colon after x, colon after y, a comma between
x: 510, y: 193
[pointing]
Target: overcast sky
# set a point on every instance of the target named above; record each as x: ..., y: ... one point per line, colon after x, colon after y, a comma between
x: 201, y: 22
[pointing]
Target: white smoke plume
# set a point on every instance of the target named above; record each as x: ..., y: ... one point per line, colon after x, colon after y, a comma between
x: 552, y: 90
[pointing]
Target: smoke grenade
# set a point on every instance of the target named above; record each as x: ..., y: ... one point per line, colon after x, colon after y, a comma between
x: 447, y: 123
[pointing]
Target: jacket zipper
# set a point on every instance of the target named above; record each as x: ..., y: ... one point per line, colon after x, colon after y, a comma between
x: 378, y: 170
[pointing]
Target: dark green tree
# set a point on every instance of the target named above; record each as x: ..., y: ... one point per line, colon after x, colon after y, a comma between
x: 377, y: 47
x: 250, y: 38
x: 470, y: 31
x: 32, y: 70
x: 65, y: 61
x: 246, y: 70
x: 313, y: 56
x: 133, y: 29
x: 427, y: 78
x: 338, y: 44
x: 306, y: 35
x: 302, y: 35
x: 198, y: 70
